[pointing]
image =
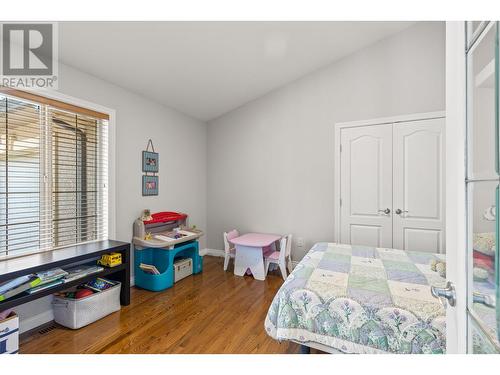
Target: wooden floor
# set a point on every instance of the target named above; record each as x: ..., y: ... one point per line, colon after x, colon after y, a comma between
x: 213, y: 312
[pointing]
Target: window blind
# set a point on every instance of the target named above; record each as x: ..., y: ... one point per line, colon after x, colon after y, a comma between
x: 53, y: 177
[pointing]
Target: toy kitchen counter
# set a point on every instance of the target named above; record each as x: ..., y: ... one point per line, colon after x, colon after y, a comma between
x: 160, y: 241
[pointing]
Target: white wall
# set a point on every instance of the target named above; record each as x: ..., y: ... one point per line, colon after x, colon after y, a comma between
x: 181, y: 142
x: 179, y: 139
x: 270, y: 162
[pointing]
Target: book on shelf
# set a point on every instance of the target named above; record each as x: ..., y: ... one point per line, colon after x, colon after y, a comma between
x: 78, y: 272
x: 31, y: 283
x: 10, y: 284
x: 44, y: 286
x: 149, y: 268
x: 49, y: 276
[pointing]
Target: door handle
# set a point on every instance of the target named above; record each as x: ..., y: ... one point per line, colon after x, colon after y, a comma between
x: 399, y: 211
x: 445, y: 294
x: 387, y: 211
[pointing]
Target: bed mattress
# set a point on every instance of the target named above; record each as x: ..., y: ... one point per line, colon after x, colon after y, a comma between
x: 359, y: 299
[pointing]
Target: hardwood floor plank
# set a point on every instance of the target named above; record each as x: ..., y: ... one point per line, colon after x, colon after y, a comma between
x: 213, y: 312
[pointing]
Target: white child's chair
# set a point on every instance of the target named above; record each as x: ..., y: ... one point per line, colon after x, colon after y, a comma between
x: 229, y: 248
x: 282, y: 257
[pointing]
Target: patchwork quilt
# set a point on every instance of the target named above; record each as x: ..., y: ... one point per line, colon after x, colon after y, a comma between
x: 360, y: 299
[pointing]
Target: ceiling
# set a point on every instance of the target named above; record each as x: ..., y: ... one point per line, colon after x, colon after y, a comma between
x: 206, y: 69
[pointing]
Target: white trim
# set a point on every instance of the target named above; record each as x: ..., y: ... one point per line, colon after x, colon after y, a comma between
x: 34, y: 321
x: 392, y: 119
x: 482, y: 33
x: 221, y: 254
x: 456, y: 317
x: 371, y: 122
x: 212, y: 252
x: 112, y: 174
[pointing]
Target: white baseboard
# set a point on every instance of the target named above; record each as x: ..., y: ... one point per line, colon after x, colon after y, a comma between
x: 212, y: 252
x: 34, y: 321
x: 220, y: 253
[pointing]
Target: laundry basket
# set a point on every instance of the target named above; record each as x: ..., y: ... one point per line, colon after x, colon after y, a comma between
x: 77, y: 313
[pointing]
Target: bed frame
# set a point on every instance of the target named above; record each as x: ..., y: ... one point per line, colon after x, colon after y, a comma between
x: 305, y: 348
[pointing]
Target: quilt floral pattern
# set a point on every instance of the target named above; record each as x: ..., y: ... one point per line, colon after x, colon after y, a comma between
x: 360, y: 299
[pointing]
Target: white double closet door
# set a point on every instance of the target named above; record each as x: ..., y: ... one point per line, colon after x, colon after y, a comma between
x: 391, y: 186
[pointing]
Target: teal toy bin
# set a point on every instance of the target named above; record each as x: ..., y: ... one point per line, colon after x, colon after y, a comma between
x: 163, y: 260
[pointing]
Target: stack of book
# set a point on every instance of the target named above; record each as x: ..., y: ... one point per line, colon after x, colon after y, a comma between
x: 44, y: 280
x: 48, y: 279
x: 149, y: 268
x: 81, y: 271
x: 17, y: 286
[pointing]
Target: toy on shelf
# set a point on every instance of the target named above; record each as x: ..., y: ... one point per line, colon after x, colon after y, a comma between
x: 96, y: 285
x: 160, y: 241
x: 99, y: 284
x: 146, y: 215
x: 110, y: 260
x: 82, y: 293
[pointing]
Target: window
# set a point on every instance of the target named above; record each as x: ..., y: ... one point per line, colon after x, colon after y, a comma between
x: 53, y: 175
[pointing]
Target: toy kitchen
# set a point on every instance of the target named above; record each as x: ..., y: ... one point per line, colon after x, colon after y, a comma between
x: 166, y: 250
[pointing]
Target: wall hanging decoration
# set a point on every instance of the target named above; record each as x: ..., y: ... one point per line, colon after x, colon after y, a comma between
x: 150, y: 159
x: 149, y: 185
x: 150, y: 164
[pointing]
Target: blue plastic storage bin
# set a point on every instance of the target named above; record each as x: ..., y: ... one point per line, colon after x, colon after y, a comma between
x: 163, y: 260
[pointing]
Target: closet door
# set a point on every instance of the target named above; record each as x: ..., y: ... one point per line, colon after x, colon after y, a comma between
x: 366, y: 185
x: 418, y: 218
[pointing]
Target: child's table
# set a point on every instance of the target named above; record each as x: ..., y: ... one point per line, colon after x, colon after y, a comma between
x: 249, y: 253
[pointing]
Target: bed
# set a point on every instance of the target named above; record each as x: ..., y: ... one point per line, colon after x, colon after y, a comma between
x: 358, y: 299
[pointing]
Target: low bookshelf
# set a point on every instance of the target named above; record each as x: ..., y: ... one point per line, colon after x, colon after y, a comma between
x: 87, y: 253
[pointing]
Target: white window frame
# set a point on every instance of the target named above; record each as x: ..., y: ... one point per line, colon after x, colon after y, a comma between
x: 111, y: 159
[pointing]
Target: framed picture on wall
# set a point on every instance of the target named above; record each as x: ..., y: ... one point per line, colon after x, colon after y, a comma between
x: 149, y: 185
x: 150, y: 161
